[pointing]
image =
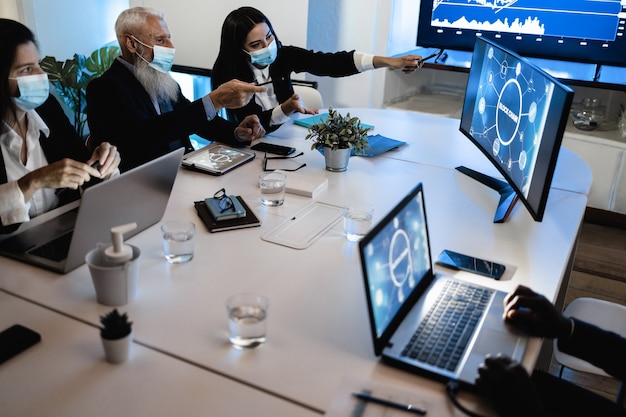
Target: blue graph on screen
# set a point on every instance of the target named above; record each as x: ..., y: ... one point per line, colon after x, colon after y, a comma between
x: 510, y: 113
x: 581, y: 19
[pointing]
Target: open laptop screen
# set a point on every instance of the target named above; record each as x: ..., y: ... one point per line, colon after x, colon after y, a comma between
x: 396, y: 260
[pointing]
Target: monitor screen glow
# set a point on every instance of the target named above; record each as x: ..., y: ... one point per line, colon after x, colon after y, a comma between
x: 575, y: 30
x: 515, y: 113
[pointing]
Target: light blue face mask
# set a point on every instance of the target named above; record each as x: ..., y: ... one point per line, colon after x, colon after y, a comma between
x: 34, y: 90
x: 264, y: 57
x: 163, y: 57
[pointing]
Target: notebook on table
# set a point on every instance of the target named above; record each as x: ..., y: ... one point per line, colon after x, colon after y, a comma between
x: 403, y: 294
x: 249, y: 220
x: 60, y: 243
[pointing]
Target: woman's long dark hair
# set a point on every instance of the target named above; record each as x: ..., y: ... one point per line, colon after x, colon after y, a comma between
x: 232, y: 61
x: 12, y: 35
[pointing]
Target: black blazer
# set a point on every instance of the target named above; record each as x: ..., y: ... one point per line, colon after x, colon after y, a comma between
x: 63, y: 142
x: 292, y: 59
x: 120, y: 111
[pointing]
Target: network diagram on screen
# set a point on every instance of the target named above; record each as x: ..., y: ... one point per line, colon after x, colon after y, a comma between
x: 510, y: 113
x: 396, y: 261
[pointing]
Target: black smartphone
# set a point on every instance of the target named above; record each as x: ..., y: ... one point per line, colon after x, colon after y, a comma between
x: 455, y: 260
x: 16, y: 339
x: 271, y: 148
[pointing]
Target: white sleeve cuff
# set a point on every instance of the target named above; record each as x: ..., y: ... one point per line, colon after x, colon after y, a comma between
x: 209, y: 107
x: 278, y: 116
x: 13, y: 209
x: 363, y: 62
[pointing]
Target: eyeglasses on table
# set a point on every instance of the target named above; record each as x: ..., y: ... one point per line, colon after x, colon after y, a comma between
x: 268, y: 158
x: 224, y: 201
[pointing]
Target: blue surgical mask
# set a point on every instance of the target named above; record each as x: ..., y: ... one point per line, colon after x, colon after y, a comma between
x: 264, y: 57
x: 34, y: 90
x: 163, y: 57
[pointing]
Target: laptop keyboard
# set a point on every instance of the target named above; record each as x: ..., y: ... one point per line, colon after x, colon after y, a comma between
x: 441, y: 338
x: 55, y: 250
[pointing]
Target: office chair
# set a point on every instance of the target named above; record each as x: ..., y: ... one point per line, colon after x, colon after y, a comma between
x: 604, y: 314
x: 310, y: 97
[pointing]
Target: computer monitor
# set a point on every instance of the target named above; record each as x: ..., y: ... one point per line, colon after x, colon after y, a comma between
x: 515, y: 113
x: 580, y: 31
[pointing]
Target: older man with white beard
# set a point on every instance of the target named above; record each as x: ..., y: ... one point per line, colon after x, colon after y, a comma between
x: 137, y: 106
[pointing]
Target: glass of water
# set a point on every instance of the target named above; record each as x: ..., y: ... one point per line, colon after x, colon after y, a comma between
x: 247, y: 319
x: 178, y: 240
x: 272, y: 186
x: 357, y: 221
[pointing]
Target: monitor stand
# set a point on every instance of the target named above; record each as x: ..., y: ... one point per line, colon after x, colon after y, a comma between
x: 508, y: 196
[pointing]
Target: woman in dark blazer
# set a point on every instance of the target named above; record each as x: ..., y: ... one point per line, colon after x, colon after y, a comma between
x: 250, y: 51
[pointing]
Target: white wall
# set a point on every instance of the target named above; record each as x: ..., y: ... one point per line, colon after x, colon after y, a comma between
x: 66, y: 27
x: 347, y: 25
x: 364, y: 25
x: 8, y: 9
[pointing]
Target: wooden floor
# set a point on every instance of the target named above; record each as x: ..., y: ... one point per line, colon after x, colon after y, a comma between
x: 599, y: 272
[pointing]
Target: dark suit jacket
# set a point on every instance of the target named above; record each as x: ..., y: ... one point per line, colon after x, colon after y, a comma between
x: 291, y: 59
x: 120, y: 111
x: 63, y: 142
x: 604, y: 349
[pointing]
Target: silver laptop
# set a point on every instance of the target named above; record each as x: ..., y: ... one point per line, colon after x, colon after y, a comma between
x: 404, y: 296
x: 60, y: 242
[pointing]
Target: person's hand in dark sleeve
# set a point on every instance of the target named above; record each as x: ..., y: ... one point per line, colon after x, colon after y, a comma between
x: 249, y: 129
x: 534, y: 314
x: 508, y: 388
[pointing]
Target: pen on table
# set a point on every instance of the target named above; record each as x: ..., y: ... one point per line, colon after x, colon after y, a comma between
x: 388, y: 403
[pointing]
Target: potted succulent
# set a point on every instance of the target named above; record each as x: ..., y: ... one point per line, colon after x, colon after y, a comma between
x: 338, y: 135
x: 116, y: 334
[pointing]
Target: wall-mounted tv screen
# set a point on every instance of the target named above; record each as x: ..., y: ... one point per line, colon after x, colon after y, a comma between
x: 515, y: 113
x: 574, y: 30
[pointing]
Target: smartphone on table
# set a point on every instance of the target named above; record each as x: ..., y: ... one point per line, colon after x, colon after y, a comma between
x: 459, y: 261
x: 272, y: 148
x: 15, y: 340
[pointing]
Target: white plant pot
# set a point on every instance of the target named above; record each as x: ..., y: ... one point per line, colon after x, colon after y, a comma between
x: 118, y: 350
x: 115, y: 285
x: 337, y: 160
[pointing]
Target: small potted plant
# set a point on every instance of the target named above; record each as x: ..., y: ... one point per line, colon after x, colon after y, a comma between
x: 337, y: 135
x: 116, y: 334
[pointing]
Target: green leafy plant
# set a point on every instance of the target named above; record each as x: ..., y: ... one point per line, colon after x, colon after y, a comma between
x: 70, y: 79
x: 339, y: 132
x: 115, y: 325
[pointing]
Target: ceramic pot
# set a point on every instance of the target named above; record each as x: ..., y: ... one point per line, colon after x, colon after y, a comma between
x: 115, y: 285
x: 337, y: 160
x: 118, y: 350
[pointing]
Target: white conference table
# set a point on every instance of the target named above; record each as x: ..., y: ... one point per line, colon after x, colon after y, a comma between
x: 318, y: 323
x: 66, y: 375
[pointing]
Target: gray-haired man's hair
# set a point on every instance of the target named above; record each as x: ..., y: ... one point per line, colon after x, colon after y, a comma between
x: 131, y: 20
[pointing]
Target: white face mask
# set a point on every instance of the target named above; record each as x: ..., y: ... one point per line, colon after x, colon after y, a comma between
x: 163, y: 57
x: 34, y: 90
